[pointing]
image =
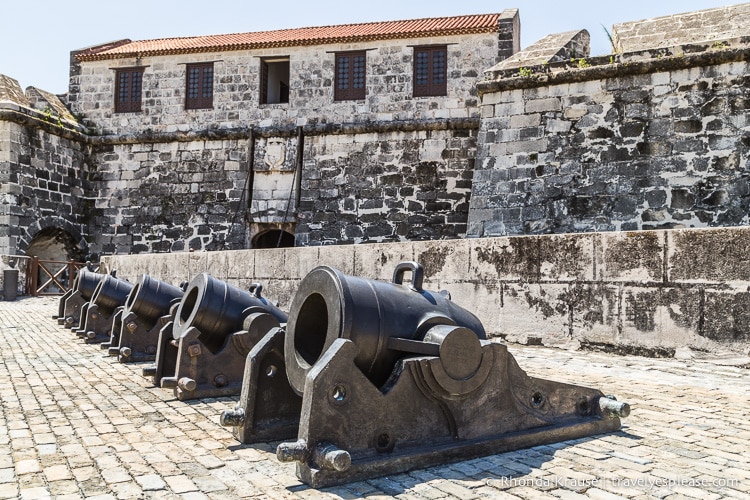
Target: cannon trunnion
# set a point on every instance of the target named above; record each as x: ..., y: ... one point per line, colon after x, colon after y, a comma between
x: 388, y: 377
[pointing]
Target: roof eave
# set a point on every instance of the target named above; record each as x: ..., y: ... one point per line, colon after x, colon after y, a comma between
x: 284, y: 44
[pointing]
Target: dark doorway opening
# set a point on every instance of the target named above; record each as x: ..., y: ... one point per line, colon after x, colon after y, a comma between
x: 275, y: 238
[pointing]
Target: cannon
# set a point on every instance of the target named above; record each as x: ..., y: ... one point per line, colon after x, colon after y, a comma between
x: 107, y: 300
x: 72, y: 303
x: 149, y: 307
x: 394, y: 377
x: 215, y: 327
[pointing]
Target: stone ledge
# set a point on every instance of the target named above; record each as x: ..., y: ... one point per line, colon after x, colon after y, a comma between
x: 614, y: 66
x: 36, y: 119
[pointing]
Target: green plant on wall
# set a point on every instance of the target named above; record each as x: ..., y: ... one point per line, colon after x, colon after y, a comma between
x: 525, y: 72
x: 611, y: 40
x: 580, y: 63
x: 47, y: 111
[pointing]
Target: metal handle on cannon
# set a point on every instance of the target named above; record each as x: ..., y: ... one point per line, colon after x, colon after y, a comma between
x: 417, y: 274
x: 255, y: 289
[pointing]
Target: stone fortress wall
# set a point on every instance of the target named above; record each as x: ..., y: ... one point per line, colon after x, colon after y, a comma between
x: 550, y: 141
x: 653, y: 136
x: 311, y: 99
x: 43, y: 171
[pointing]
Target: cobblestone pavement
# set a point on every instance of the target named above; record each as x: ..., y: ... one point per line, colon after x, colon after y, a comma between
x: 75, y: 423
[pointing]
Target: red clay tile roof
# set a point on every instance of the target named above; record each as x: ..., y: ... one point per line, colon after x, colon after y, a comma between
x: 345, y: 33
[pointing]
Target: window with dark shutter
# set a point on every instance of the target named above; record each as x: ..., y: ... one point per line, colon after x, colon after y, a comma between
x: 351, y: 76
x: 274, y: 80
x: 128, y: 88
x: 430, y: 71
x: 199, y: 93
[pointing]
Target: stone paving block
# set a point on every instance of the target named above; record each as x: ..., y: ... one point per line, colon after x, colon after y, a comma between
x: 34, y: 493
x: 8, y: 490
x: 151, y: 482
x: 65, y: 433
x: 180, y: 484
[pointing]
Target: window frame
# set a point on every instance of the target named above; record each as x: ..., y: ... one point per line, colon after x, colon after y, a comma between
x: 264, y: 76
x: 130, y: 105
x: 431, y: 88
x: 202, y: 101
x: 351, y: 93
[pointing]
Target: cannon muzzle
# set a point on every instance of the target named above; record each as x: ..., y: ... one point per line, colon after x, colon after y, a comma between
x: 218, y: 309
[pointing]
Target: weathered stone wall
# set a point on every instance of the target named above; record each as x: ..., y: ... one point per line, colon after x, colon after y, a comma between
x: 236, y: 87
x: 641, y: 140
x: 642, y: 292
x: 170, y: 196
x: 710, y: 25
x: 43, y: 181
x: 355, y: 187
x: 165, y: 182
x: 659, y: 143
x: 392, y: 186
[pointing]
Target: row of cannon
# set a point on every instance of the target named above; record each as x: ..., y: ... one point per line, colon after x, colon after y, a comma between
x: 361, y: 378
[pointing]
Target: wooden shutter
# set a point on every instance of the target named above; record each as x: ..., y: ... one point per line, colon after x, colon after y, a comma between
x: 199, y: 91
x: 263, y: 82
x: 430, y: 71
x: 128, y: 89
x: 351, y: 76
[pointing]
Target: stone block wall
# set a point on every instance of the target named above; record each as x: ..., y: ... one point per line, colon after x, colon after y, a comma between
x: 638, y: 292
x: 660, y: 143
x: 356, y: 186
x: 170, y: 196
x: 387, y: 186
x: 237, y: 84
x: 710, y: 25
x: 43, y: 181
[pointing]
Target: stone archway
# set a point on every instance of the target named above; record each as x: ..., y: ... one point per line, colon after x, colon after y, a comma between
x: 54, y: 243
x: 54, y: 238
x: 273, y: 238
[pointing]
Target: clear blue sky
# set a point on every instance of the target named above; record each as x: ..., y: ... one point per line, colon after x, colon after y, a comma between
x: 36, y: 36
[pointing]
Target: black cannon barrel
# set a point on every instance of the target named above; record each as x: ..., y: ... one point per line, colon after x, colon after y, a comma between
x: 87, y: 281
x: 216, y: 308
x: 151, y: 299
x: 330, y: 305
x: 111, y: 293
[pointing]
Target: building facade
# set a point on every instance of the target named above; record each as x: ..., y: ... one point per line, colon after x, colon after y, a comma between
x: 342, y: 134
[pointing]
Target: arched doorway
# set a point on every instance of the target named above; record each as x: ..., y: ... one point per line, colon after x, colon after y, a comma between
x: 273, y: 238
x: 54, y: 243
